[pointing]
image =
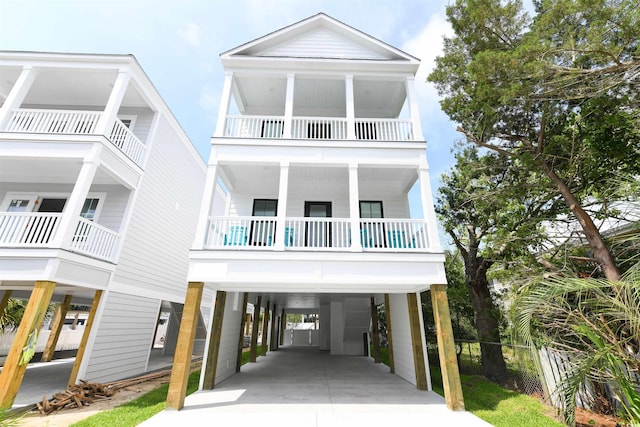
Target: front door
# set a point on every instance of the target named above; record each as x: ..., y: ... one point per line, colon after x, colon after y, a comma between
x: 317, y: 233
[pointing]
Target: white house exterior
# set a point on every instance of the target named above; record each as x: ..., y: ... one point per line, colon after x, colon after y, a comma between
x: 318, y: 143
x: 99, y: 196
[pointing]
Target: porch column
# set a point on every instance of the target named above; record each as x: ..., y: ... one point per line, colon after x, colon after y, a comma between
x: 225, y: 100
x: 184, y: 348
x: 387, y: 309
x: 17, y: 94
x: 350, y: 107
x: 288, y: 106
x: 426, y: 198
x: 73, y: 207
x: 412, y: 100
x: 283, y: 190
x: 247, y: 327
x: 108, y: 117
x: 214, y: 342
x: 4, y: 301
x: 85, y: 338
x: 243, y: 324
x: 354, y: 208
x: 58, y: 321
x: 273, y: 343
x: 265, y: 329
x: 206, y: 206
x: 253, y: 352
x: 446, y: 349
x: 23, y: 345
x: 417, y: 335
x: 375, y: 332
x: 283, y: 326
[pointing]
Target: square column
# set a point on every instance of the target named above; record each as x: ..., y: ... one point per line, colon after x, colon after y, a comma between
x: 354, y: 208
x: 288, y: 106
x: 283, y: 191
x: 265, y: 329
x: 23, y: 346
x: 206, y: 206
x: 105, y: 123
x: 417, y: 336
x: 17, y: 94
x: 184, y: 348
x: 350, y: 107
x: 253, y: 352
x: 387, y: 309
x: 225, y: 100
x: 213, y: 349
x: 61, y: 313
x: 412, y: 100
x: 426, y: 198
x: 85, y: 338
x: 375, y: 333
x: 243, y: 325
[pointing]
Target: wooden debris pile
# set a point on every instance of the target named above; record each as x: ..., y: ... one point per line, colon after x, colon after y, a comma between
x: 86, y: 393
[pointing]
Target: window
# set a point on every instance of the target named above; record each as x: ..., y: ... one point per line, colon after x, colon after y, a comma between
x: 372, y: 233
x: 89, y: 209
x: 371, y: 209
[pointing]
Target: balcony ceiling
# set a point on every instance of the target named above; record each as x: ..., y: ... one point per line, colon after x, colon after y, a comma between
x: 306, y: 303
x: 264, y: 179
x: 319, y: 97
x: 47, y: 171
x: 69, y: 88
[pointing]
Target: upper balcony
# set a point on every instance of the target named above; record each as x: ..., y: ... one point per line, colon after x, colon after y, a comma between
x: 333, y: 107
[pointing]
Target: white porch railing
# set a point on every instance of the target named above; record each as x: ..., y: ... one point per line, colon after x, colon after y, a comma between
x: 319, y: 128
x: 317, y: 234
x: 76, y: 123
x: 334, y: 128
x: 94, y: 240
x: 38, y: 230
x: 28, y: 229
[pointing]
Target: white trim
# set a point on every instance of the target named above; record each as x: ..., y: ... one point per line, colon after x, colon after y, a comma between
x: 38, y: 196
x: 131, y: 117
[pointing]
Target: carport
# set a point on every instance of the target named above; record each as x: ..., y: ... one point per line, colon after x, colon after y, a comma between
x: 298, y: 386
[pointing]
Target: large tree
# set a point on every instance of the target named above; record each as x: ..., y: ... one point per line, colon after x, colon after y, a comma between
x: 557, y: 94
x: 493, y: 211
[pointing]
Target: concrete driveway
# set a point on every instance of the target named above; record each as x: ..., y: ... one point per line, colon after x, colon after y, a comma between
x: 305, y: 387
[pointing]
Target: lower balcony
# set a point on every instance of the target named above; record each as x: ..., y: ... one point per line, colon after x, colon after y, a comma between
x: 317, y: 234
x: 42, y: 230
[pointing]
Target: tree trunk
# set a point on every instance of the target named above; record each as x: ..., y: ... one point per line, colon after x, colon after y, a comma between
x: 596, y: 243
x: 487, y: 322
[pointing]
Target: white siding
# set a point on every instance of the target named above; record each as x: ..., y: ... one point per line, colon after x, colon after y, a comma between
x: 402, y: 347
x: 228, y: 352
x: 162, y: 227
x: 144, y: 119
x: 321, y: 43
x: 122, y: 338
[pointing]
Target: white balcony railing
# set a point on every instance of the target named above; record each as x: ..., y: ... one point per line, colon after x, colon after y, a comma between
x: 317, y: 234
x: 75, y: 123
x: 38, y: 230
x: 325, y: 128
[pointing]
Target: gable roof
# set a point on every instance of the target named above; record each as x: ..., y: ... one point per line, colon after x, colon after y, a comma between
x: 321, y: 37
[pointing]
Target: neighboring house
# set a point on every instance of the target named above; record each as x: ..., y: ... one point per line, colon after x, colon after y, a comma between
x: 317, y: 145
x: 99, y: 195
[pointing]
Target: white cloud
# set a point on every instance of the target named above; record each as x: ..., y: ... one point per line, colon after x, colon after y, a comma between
x: 190, y: 33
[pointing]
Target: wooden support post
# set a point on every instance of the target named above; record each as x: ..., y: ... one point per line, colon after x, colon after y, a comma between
x: 417, y: 335
x: 446, y: 349
x: 58, y: 321
x: 283, y: 326
x: 253, y: 352
x: 184, y: 347
x: 214, y: 342
x: 85, y: 338
x: 273, y: 343
x: 26, y: 337
x: 387, y: 309
x: 265, y: 329
x: 247, y: 324
x: 243, y: 323
x: 4, y: 301
x: 375, y: 332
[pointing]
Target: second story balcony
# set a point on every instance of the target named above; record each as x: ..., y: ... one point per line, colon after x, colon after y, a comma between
x: 76, y: 122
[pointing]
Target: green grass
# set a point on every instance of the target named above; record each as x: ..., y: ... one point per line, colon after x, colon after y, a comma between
x: 137, y: 410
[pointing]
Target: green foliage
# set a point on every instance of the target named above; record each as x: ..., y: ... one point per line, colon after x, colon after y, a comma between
x: 13, y: 312
x: 596, y: 323
x: 137, y: 410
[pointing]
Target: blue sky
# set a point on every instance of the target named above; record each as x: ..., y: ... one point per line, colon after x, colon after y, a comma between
x: 178, y: 44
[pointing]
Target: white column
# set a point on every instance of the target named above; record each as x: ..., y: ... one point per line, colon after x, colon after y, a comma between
x: 351, y: 108
x: 354, y: 208
x: 205, y: 208
x: 283, y: 191
x: 412, y: 100
x: 105, y: 124
x: 17, y: 94
x: 426, y: 198
x: 73, y: 207
x: 225, y: 101
x: 288, y: 106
